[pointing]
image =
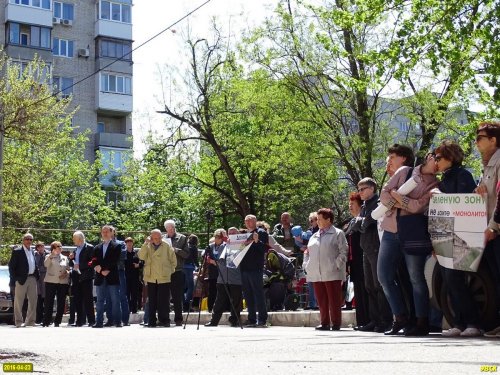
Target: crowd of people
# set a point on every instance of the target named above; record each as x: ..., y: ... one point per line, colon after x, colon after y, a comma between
x: 384, y: 255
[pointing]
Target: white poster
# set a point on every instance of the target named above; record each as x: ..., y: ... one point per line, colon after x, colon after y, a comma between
x: 235, y: 249
x: 456, y: 224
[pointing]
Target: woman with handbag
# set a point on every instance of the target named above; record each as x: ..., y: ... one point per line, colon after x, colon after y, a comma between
x: 406, y: 235
x: 448, y: 157
x: 56, y: 283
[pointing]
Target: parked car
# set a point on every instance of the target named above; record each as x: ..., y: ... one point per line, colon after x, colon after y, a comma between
x: 6, y: 300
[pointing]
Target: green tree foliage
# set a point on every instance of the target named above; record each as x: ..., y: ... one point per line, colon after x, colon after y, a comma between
x: 47, y: 183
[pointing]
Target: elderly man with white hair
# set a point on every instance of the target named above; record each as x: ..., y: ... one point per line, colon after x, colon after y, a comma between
x: 82, y: 278
x: 159, y: 264
x: 180, y: 245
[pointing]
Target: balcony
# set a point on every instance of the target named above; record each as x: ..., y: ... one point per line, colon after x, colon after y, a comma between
x: 113, y: 29
x: 28, y: 15
x: 116, y: 140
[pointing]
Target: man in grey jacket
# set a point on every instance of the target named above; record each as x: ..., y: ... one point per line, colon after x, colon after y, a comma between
x: 378, y: 307
x: 180, y: 246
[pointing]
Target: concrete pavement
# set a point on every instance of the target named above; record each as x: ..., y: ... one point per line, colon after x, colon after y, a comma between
x: 225, y: 350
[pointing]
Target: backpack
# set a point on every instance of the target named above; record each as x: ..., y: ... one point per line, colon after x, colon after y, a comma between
x: 287, y: 268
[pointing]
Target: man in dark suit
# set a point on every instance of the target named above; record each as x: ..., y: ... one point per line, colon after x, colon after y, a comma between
x: 180, y: 245
x: 23, y: 277
x: 40, y: 254
x: 105, y: 263
x: 82, y: 287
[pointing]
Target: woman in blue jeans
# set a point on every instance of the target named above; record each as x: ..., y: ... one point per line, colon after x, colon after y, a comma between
x: 390, y: 253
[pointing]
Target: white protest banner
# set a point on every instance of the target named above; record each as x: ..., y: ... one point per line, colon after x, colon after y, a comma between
x: 456, y: 224
x: 235, y: 249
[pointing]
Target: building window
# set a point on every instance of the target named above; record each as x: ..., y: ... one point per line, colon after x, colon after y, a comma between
x: 44, y: 4
x: 40, y: 75
x: 62, y: 47
x: 100, y: 127
x: 115, y: 12
x: 404, y: 126
x: 116, y: 84
x: 63, y: 10
x: 115, y: 49
x: 113, y: 163
x: 63, y: 85
x: 25, y: 35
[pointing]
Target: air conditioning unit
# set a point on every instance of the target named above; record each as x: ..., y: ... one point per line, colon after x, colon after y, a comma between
x: 67, y: 22
x: 84, y: 52
x: 56, y: 20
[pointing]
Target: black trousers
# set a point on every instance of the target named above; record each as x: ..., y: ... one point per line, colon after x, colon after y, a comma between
x: 54, y: 290
x: 158, y: 294
x: 213, y: 290
x: 223, y: 300
x: 133, y: 285
x: 39, y: 309
x: 378, y: 307
x: 84, y: 301
x: 177, y: 281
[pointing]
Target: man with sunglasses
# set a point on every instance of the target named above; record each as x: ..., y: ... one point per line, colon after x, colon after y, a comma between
x: 379, y: 310
x: 488, y: 145
x: 23, y: 278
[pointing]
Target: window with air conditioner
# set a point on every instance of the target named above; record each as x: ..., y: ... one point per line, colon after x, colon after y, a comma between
x: 62, y: 47
x: 64, y: 11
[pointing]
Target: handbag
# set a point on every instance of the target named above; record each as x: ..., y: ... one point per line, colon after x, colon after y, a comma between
x: 414, y: 234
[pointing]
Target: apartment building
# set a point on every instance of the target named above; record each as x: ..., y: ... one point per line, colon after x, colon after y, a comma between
x: 77, y: 38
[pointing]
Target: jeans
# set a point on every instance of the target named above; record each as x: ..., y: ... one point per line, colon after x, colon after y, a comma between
x: 388, y: 262
x: 311, y: 303
x: 112, y: 294
x: 253, y: 288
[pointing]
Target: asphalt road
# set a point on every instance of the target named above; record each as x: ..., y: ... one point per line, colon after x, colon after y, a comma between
x: 225, y: 350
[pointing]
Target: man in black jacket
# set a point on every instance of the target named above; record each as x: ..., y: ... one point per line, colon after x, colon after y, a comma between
x: 180, y: 245
x: 378, y: 307
x: 105, y: 264
x: 82, y: 287
x: 23, y: 277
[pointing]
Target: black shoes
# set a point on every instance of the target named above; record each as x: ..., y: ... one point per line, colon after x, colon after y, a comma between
x: 335, y: 328
x: 210, y: 324
x: 109, y: 324
x: 119, y: 325
x: 370, y: 327
x: 397, y: 326
x: 164, y: 324
x: 322, y: 327
x: 97, y: 326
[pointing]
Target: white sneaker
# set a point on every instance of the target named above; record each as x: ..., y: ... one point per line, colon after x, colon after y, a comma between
x: 471, y: 332
x: 494, y: 333
x: 452, y: 332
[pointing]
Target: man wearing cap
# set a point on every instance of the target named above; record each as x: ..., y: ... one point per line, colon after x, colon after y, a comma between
x: 23, y: 276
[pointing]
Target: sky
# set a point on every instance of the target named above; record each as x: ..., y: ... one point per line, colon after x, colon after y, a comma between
x: 149, y: 17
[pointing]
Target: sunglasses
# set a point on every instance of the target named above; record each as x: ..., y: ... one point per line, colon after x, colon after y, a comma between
x: 360, y: 190
x: 478, y: 137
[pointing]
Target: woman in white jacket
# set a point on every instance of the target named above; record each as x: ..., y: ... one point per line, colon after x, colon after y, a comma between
x: 56, y: 283
x: 325, y: 263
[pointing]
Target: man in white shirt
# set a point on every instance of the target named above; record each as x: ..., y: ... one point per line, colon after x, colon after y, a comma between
x: 23, y: 277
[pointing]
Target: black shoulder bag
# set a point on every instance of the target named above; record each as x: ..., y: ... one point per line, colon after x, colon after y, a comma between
x: 413, y: 231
